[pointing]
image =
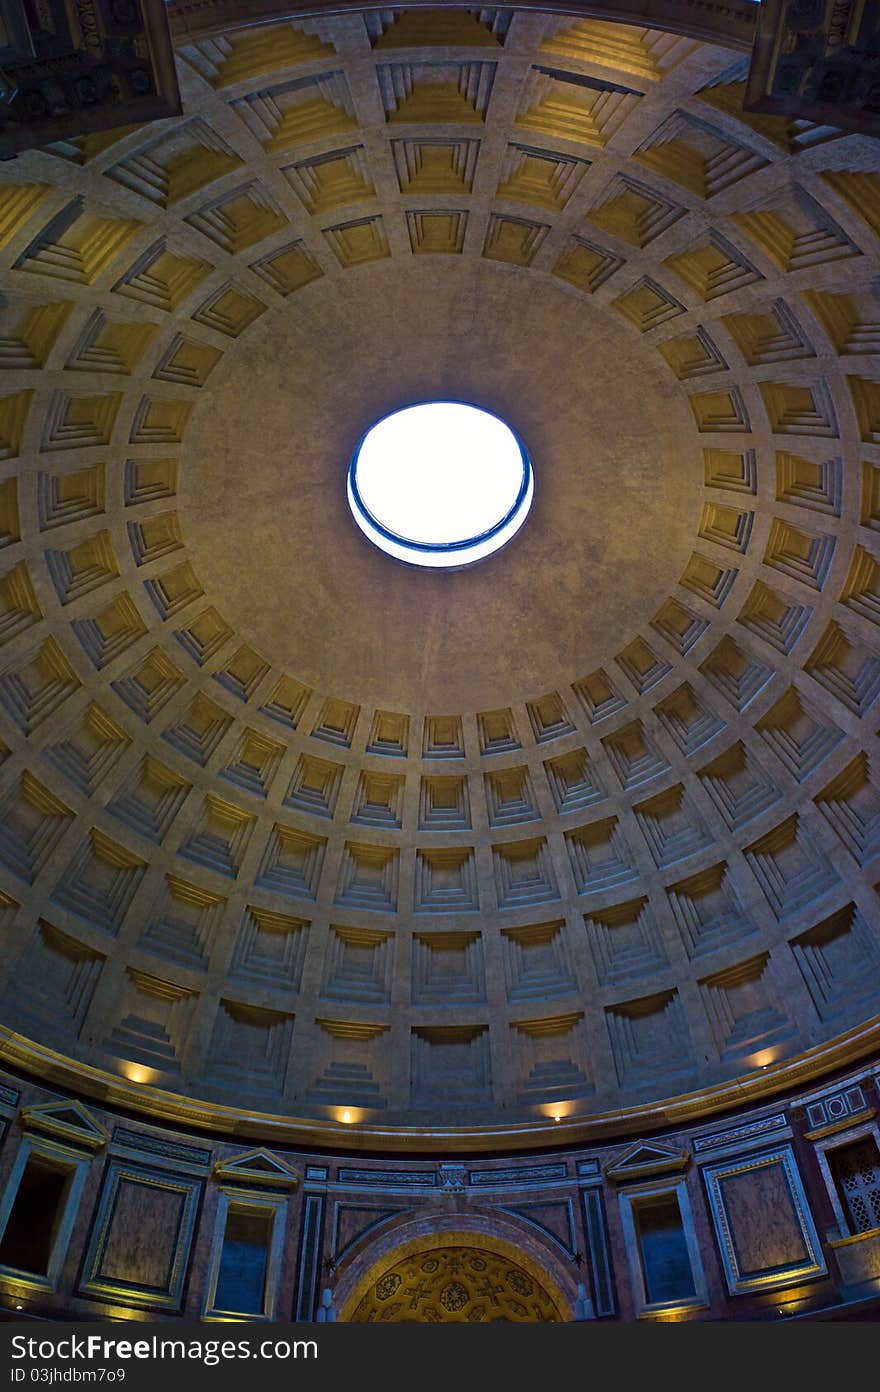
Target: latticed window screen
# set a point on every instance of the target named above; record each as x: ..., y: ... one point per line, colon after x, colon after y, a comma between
x: 856, y: 1170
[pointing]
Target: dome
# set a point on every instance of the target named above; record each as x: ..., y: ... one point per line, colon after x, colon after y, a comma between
x: 300, y: 837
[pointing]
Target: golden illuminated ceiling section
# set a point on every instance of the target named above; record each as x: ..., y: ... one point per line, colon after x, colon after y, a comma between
x: 288, y: 827
x: 456, y: 1285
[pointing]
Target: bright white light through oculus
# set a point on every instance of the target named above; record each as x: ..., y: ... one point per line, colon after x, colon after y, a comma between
x: 440, y: 484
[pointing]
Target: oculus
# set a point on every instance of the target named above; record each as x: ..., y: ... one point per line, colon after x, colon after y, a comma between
x: 441, y: 484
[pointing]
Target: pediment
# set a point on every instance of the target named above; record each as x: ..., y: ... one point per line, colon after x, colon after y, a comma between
x: 257, y: 1167
x: 67, y: 1121
x: 647, y: 1158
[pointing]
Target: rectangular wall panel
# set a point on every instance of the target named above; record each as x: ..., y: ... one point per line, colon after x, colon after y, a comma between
x: 600, y: 1257
x: 765, y: 1230
x: 141, y: 1237
x: 309, y: 1258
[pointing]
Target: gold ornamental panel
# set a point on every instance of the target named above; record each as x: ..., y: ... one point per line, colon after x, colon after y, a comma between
x: 462, y: 1285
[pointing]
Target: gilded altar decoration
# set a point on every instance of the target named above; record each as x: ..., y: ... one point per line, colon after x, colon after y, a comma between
x: 462, y: 1285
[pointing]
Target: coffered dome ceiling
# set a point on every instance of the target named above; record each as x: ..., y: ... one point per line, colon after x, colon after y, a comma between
x: 291, y: 828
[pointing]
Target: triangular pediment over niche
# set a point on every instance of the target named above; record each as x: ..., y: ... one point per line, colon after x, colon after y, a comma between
x: 257, y: 1167
x: 644, y: 1159
x: 67, y: 1121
